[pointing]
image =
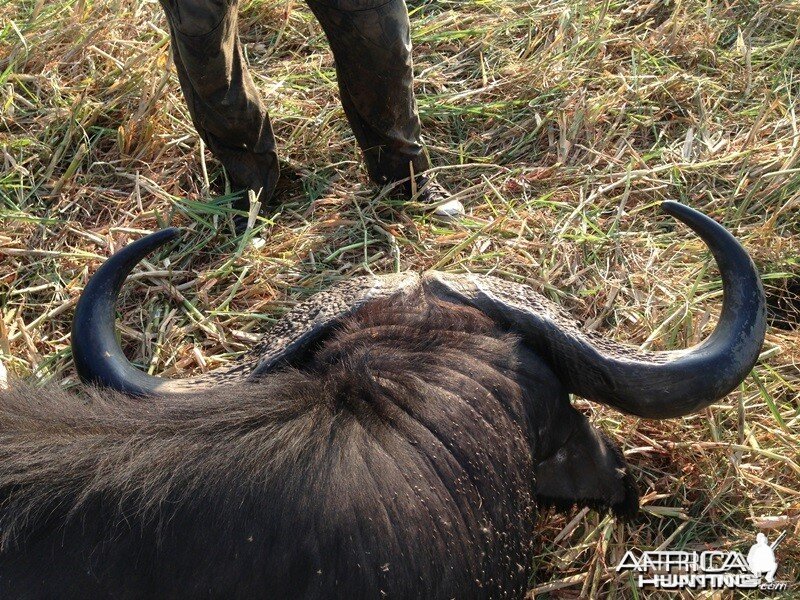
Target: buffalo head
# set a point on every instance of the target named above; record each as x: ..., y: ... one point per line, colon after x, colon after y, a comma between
x: 653, y: 385
x: 390, y: 435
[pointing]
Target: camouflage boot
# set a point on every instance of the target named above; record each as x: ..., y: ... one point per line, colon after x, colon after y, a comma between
x: 224, y: 104
x: 371, y: 44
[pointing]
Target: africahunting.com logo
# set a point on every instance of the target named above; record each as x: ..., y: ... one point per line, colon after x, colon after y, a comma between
x: 711, y: 569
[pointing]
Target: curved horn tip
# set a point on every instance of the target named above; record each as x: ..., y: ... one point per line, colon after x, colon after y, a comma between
x: 723, y: 244
x: 95, y: 349
x: 165, y: 235
x: 137, y: 249
x: 172, y: 231
x: 679, y: 211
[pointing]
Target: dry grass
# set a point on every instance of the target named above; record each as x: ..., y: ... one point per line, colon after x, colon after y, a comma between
x: 561, y: 124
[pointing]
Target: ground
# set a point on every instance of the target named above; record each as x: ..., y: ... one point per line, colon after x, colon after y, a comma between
x: 559, y: 124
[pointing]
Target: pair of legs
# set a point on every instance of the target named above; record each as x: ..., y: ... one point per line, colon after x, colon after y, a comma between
x: 371, y: 45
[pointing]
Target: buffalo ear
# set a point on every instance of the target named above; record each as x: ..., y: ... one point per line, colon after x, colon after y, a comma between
x: 587, y: 470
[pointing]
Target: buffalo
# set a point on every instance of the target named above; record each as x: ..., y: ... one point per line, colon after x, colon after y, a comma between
x: 392, y: 436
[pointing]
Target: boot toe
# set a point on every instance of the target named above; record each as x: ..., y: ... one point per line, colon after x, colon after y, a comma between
x: 452, y: 209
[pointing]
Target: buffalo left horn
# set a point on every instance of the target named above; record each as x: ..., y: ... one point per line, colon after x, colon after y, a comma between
x: 95, y: 350
x: 99, y: 359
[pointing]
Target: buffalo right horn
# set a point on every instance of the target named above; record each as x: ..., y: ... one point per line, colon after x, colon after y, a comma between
x: 672, y: 384
x: 654, y: 385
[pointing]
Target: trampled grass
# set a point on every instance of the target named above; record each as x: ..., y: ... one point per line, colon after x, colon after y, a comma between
x: 560, y: 124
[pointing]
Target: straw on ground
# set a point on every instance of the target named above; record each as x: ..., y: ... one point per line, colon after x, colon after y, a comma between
x: 560, y: 123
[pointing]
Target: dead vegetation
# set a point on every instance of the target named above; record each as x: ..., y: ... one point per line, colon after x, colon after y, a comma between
x: 560, y: 124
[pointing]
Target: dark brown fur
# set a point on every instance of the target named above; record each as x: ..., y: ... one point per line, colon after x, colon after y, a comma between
x: 400, y: 460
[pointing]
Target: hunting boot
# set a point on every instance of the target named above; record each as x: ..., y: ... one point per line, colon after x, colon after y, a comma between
x: 371, y: 44
x: 372, y: 48
x: 223, y: 101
